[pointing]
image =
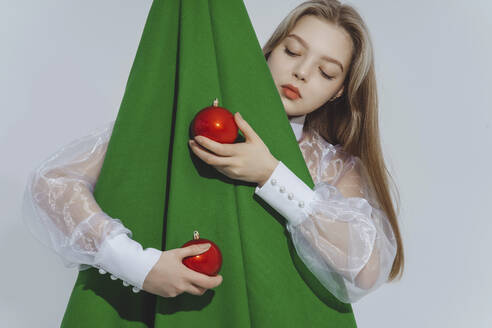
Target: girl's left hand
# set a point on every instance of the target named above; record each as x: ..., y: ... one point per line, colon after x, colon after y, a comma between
x: 248, y: 161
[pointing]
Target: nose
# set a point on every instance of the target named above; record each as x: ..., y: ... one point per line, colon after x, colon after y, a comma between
x: 303, y: 68
x: 300, y: 72
x: 299, y: 76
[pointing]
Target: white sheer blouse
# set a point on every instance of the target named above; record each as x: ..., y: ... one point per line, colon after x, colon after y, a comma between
x: 61, y: 212
x: 338, y: 229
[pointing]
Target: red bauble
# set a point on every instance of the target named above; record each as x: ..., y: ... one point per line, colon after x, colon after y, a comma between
x: 216, y: 123
x: 208, y: 262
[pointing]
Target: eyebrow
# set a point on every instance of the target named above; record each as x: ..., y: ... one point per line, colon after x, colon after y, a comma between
x: 326, y: 58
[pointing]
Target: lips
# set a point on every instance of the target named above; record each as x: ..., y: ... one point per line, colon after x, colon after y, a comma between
x: 292, y: 91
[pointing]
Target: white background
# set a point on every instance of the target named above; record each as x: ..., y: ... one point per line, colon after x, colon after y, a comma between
x: 63, y: 70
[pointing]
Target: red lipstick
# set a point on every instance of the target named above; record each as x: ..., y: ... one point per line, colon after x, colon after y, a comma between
x: 291, y: 91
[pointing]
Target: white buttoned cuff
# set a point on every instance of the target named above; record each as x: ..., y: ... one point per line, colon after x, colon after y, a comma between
x: 126, y: 259
x: 287, y: 194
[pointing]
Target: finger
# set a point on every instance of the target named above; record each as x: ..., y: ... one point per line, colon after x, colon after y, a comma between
x: 217, y: 147
x: 207, y: 156
x: 203, y: 280
x: 195, y: 290
x: 245, y: 128
x: 193, y: 250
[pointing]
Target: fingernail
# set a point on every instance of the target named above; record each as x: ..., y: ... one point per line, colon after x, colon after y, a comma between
x: 206, y: 246
x: 239, y: 114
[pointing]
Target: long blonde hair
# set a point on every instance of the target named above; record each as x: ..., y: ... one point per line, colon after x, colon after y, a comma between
x: 351, y: 120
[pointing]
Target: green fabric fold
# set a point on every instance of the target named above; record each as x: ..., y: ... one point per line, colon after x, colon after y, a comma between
x: 191, y: 52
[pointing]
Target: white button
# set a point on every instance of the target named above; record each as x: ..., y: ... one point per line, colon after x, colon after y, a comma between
x: 125, y: 284
x: 135, y: 289
x: 101, y: 271
x: 291, y: 195
x: 301, y: 203
x: 273, y: 182
x: 113, y: 277
x: 282, y: 189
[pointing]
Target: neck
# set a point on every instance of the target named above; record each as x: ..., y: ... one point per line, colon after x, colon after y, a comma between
x: 297, y: 119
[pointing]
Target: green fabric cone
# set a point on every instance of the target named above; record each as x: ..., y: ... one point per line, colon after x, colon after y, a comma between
x: 191, y: 52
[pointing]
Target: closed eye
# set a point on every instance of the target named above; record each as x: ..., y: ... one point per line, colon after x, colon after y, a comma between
x: 326, y: 75
x: 290, y: 53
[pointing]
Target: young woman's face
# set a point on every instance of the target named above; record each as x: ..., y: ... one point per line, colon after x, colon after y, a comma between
x: 298, y: 61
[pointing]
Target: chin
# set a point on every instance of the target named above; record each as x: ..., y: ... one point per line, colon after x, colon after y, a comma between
x: 293, y: 113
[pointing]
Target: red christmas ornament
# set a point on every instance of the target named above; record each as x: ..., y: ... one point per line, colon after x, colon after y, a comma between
x: 208, y: 262
x: 216, y: 123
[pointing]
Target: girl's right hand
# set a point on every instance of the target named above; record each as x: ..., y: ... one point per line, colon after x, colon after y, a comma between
x: 169, y: 277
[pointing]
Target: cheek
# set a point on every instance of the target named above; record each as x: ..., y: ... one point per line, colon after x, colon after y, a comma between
x: 276, y: 62
x: 320, y: 95
x: 275, y: 71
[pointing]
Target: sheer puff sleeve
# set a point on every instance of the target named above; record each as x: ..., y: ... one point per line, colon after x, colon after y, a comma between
x: 60, y: 211
x: 338, y: 230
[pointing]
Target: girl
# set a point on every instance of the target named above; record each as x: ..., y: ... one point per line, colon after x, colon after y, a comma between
x: 321, y: 60
x: 345, y: 230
